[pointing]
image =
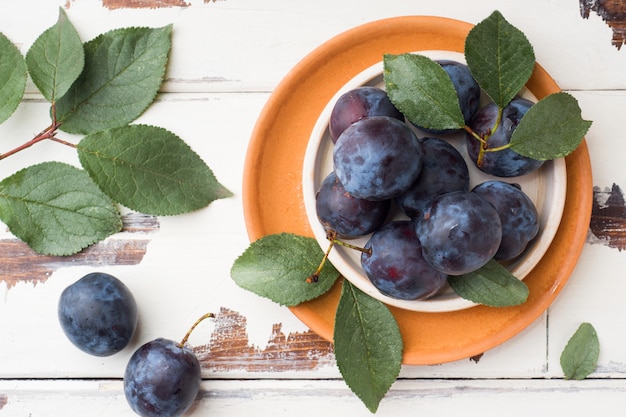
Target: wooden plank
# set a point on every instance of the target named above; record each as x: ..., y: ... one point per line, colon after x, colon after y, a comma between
x: 215, y: 51
x: 476, y: 398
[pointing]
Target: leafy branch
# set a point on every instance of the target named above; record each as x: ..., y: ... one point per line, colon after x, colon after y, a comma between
x: 502, y: 60
x: 96, y: 89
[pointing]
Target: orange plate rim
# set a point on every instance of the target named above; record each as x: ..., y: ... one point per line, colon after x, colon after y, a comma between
x: 273, y: 201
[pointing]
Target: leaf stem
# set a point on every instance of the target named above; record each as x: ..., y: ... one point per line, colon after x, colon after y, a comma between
x: 484, y: 140
x: 47, y: 133
x: 474, y: 134
x: 64, y: 142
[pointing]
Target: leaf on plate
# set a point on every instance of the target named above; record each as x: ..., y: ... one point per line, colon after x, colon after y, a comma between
x: 56, y: 59
x: 500, y: 58
x: 422, y: 90
x: 580, y: 356
x: 56, y: 208
x: 552, y: 128
x: 492, y: 285
x: 13, y: 76
x: 277, y: 267
x: 124, y: 69
x: 367, y: 344
x: 149, y: 169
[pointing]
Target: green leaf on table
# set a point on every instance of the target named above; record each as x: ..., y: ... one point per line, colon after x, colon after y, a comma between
x: 149, y: 169
x: 13, y: 77
x: 492, y: 285
x: 422, y: 90
x: 56, y: 59
x: 500, y: 58
x: 580, y: 356
x: 552, y: 128
x: 56, y: 208
x: 277, y: 267
x: 124, y: 69
x: 367, y: 344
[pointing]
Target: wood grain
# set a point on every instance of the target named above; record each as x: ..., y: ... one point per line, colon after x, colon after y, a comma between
x: 229, y: 348
x: 613, y: 12
x: 19, y: 263
x: 608, y: 217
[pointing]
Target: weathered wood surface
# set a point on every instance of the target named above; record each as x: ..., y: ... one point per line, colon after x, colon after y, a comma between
x: 227, y: 57
x: 223, y: 398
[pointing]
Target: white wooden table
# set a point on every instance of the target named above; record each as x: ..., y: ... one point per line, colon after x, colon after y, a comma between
x: 258, y: 358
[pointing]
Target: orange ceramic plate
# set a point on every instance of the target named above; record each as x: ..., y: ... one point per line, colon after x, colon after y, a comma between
x: 273, y: 200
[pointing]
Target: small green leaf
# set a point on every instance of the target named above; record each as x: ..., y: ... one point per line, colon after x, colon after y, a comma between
x: 422, y: 90
x: 277, y: 267
x: 13, y: 76
x: 368, y: 345
x: 500, y: 58
x: 56, y: 59
x: 580, y: 356
x: 552, y: 128
x: 124, y: 69
x: 492, y: 285
x: 149, y: 169
x: 56, y: 208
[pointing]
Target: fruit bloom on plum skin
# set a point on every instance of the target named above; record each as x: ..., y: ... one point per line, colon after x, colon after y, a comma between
x: 520, y: 221
x: 395, y: 265
x: 503, y: 163
x: 443, y: 170
x: 98, y: 314
x: 460, y: 232
x: 357, y: 104
x: 348, y: 216
x: 161, y: 379
x: 377, y: 158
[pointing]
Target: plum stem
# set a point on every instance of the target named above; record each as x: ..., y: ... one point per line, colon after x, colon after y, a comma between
x: 331, y: 235
x: 191, y: 329
x: 313, y: 278
x: 484, y: 140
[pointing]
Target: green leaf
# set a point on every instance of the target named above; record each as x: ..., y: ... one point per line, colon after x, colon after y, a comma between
x: 422, y: 90
x: 56, y: 208
x: 580, y: 356
x: 492, y: 285
x: 368, y: 345
x: 500, y: 58
x: 56, y: 59
x: 13, y: 76
x: 552, y: 128
x: 124, y: 69
x: 277, y: 267
x: 149, y: 169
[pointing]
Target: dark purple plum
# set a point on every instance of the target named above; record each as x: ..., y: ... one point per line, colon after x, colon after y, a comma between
x: 518, y: 214
x: 396, y: 266
x: 467, y: 90
x: 162, y: 378
x: 443, y: 170
x: 347, y: 215
x: 460, y: 232
x: 377, y: 158
x: 503, y: 163
x: 357, y: 104
x: 98, y: 314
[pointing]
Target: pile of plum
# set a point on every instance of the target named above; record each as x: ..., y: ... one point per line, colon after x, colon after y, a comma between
x: 380, y: 165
